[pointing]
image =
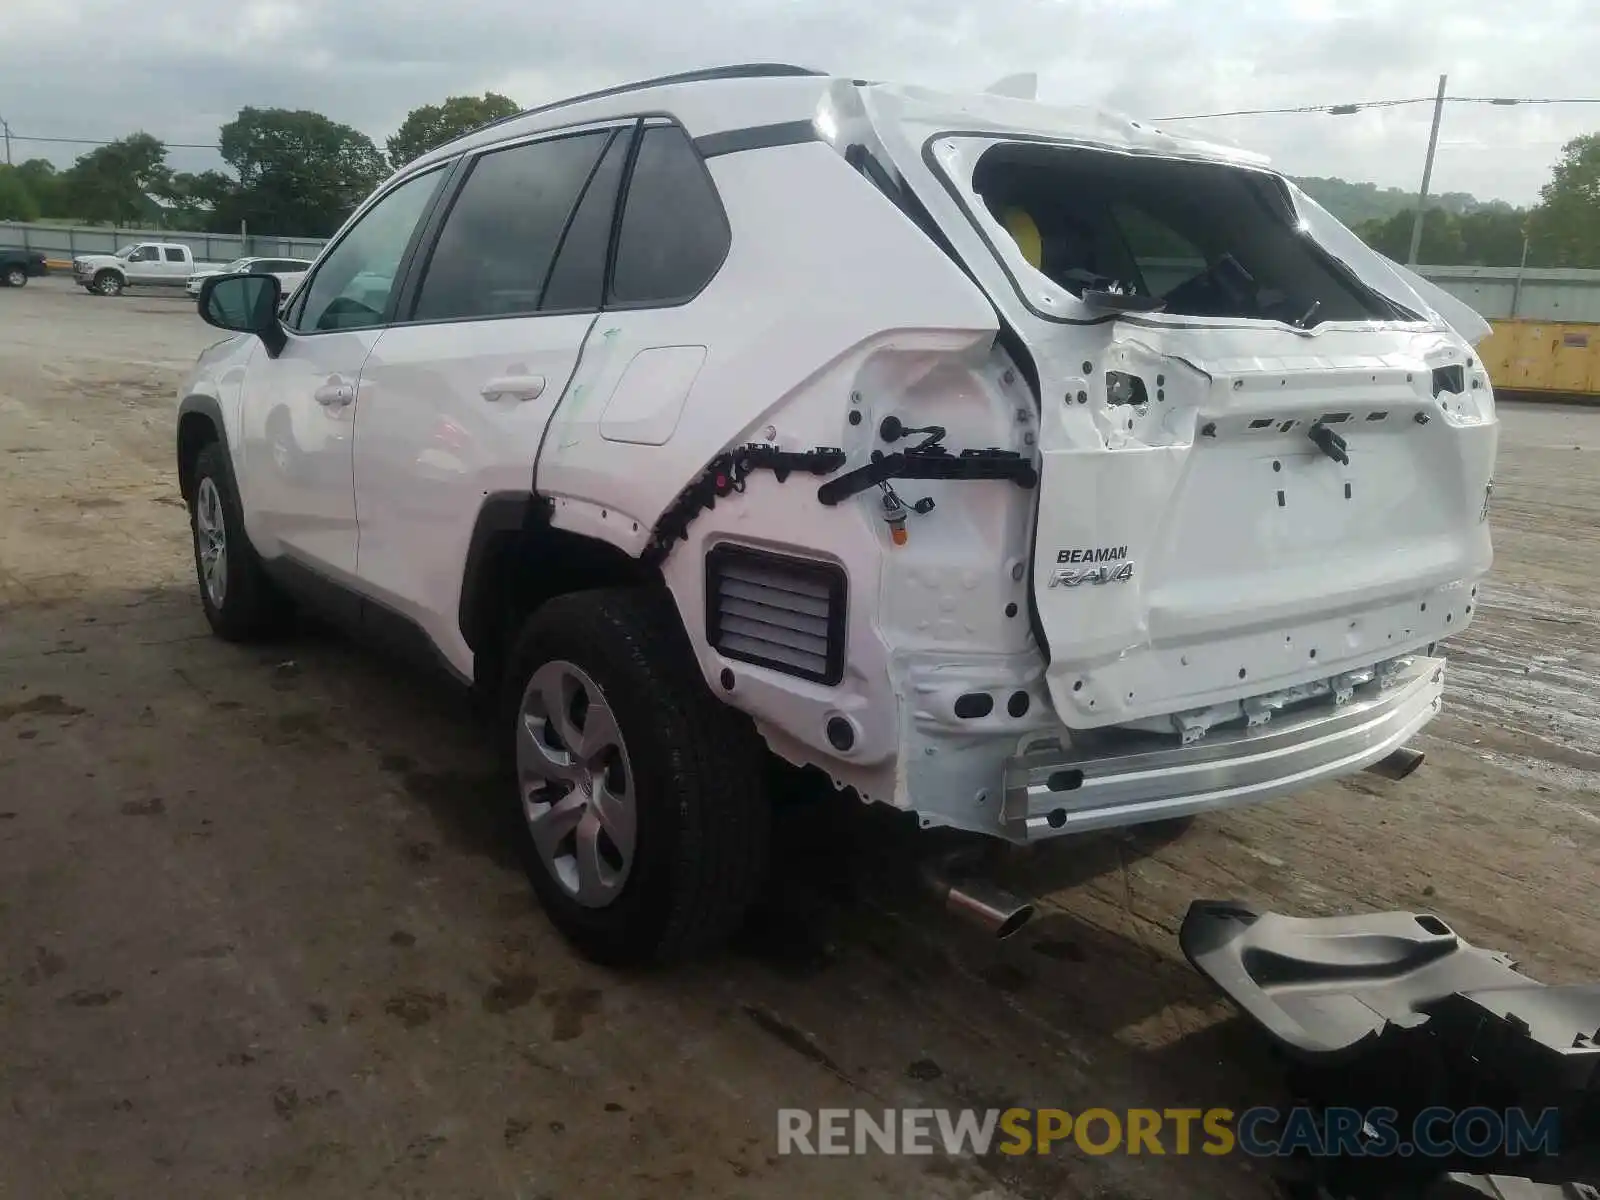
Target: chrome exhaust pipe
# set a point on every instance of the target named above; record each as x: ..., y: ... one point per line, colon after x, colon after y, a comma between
x: 1398, y: 764
x: 989, y: 907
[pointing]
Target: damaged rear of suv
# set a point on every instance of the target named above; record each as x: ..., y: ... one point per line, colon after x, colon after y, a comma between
x: 1026, y: 469
x: 1265, y: 458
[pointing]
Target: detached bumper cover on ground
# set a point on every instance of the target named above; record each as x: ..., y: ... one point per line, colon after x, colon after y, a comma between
x: 1396, y: 1011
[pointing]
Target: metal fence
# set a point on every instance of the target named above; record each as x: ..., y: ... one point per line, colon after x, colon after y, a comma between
x: 62, y: 242
x: 1530, y: 294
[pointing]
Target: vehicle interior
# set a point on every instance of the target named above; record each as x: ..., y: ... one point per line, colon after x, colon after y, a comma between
x: 1138, y: 232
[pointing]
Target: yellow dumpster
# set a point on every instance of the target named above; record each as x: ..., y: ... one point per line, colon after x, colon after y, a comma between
x: 1543, y: 356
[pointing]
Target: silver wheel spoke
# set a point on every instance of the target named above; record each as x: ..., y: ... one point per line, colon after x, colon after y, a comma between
x: 537, y: 760
x: 598, y: 735
x: 615, y: 815
x: 554, y: 822
x: 557, y: 691
x: 596, y: 881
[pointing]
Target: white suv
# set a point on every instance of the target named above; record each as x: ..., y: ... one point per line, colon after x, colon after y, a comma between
x: 1030, y: 470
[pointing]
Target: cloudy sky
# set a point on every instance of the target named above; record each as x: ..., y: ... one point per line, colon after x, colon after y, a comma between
x: 180, y: 68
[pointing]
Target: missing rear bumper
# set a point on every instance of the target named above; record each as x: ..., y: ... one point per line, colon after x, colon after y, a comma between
x: 1056, y: 792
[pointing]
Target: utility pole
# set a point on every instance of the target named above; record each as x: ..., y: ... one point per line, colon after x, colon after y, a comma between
x: 7, y: 130
x: 1427, y: 176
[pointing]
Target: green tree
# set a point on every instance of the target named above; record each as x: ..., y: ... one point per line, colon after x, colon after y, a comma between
x: 114, y: 182
x: 17, y: 202
x: 1441, y: 245
x: 197, y: 198
x: 43, y: 181
x: 1492, y: 237
x: 435, y: 124
x: 1564, y: 230
x: 298, y: 172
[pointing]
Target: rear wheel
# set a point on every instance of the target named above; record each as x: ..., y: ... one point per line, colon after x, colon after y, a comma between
x: 645, y: 821
x: 16, y: 277
x: 240, y: 602
x: 107, y: 283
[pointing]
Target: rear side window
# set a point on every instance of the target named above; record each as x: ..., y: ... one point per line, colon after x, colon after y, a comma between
x: 674, y: 235
x: 174, y: 255
x: 578, y: 279
x: 497, y: 246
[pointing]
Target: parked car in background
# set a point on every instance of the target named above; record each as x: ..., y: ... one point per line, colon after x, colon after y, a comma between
x: 18, y: 266
x: 143, y: 264
x: 289, y: 271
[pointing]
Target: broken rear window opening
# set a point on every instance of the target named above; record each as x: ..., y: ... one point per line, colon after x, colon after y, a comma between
x: 1144, y: 234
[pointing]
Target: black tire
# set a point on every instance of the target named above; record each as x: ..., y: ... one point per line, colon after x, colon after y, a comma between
x: 15, y: 277
x: 107, y: 283
x: 702, y: 817
x: 248, y: 606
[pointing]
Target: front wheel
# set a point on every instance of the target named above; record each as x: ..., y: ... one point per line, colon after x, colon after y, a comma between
x: 16, y: 277
x: 641, y: 796
x: 107, y: 283
x: 240, y: 602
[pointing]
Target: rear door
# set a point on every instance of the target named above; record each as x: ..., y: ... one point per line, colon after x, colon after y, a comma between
x: 176, y: 263
x: 1259, y: 470
x: 457, y: 396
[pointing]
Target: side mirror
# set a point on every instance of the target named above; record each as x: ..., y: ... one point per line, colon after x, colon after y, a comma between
x: 245, y: 304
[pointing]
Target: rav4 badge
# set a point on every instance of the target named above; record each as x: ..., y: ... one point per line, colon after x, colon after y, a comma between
x: 1077, y: 576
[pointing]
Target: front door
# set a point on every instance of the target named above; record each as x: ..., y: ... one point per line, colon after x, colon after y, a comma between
x: 299, y: 408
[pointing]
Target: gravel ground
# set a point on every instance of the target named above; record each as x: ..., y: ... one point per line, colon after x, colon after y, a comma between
x: 261, y: 932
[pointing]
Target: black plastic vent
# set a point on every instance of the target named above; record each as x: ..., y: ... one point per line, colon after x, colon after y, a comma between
x: 776, y: 611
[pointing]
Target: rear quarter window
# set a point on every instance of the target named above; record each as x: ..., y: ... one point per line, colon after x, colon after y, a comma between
x: 674, y: 235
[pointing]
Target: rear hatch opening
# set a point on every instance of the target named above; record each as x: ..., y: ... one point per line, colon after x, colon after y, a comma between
x: 1188, y: 238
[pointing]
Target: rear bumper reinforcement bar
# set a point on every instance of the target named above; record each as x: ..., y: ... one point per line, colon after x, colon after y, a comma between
x: 1060, y: 792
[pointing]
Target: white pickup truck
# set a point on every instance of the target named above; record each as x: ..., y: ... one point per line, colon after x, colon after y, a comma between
x: 143, y: 264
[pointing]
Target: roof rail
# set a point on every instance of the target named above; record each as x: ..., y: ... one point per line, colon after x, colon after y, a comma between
x: 732, y: 71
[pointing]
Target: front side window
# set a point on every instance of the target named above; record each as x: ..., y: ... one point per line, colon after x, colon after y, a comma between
x: 352, y: 287
x: 674, y: 235
x: 143, y: 254
x: 495, y: 251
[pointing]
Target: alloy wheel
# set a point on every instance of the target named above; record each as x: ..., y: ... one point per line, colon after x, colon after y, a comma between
x: 577, y: 784
x: 211, y: 539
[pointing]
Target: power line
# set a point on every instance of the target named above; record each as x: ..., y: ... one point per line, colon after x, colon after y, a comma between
x: 1347, y: 109
x: 1335, y: 109
x: 65, y: 141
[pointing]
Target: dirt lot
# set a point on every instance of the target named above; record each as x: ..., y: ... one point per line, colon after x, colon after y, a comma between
x: 261, y: 933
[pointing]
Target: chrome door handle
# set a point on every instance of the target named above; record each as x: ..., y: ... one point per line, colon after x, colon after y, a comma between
x: 334, y: 395
x: 518, y: 387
